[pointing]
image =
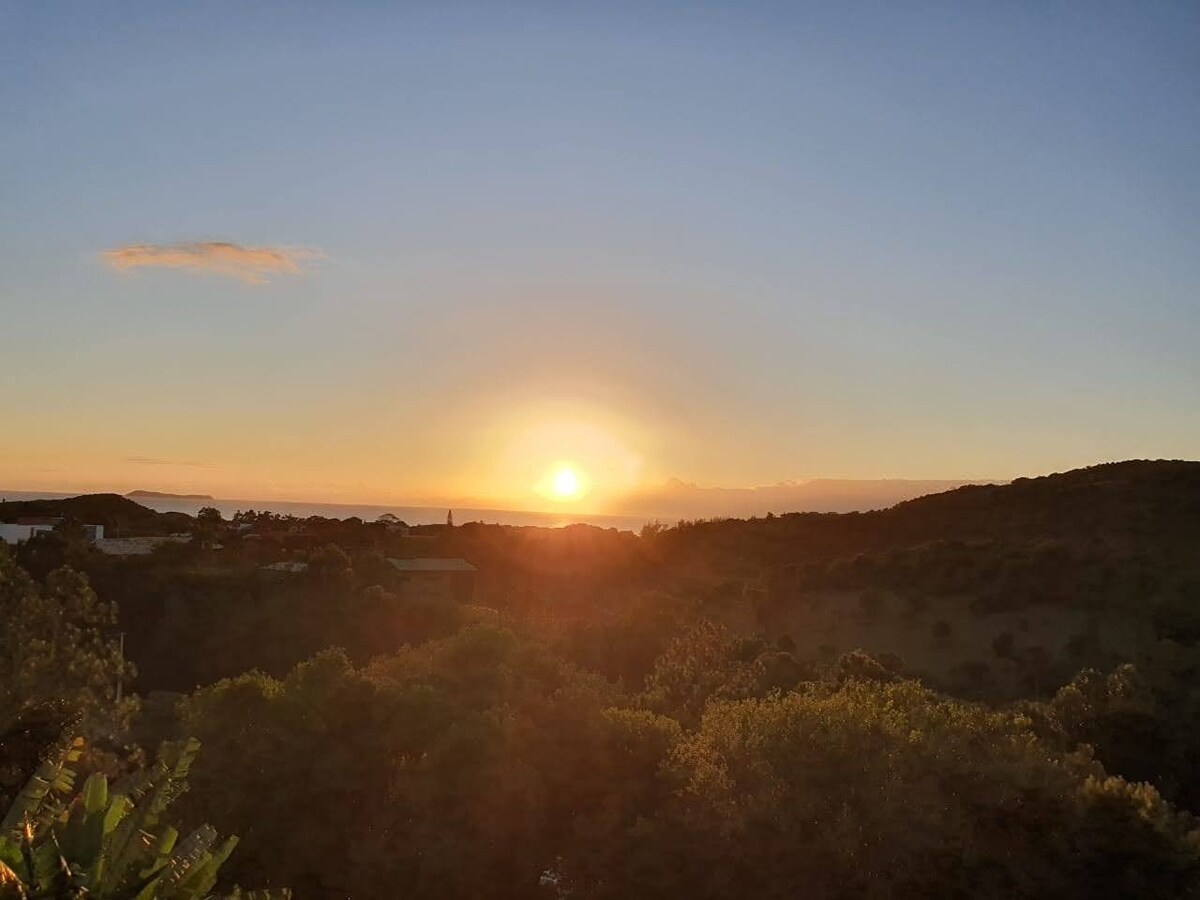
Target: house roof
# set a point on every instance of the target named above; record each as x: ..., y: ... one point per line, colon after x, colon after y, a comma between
x: 286, y: 566
x: 430, y: 564
x: 138, y: 546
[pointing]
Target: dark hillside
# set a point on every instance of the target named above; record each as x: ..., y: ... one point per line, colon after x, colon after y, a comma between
x: 1132, y: 505
x: 119, y: 515
x: 994, y: 590
x: 1132, y: 501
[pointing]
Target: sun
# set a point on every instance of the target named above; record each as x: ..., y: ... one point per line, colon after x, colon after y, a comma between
x: 564, y: 482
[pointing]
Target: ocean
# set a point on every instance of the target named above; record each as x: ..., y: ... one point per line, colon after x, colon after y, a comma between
x: 413, y: 515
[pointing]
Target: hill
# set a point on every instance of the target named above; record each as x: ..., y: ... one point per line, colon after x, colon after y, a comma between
x: 997, y: 590
x: 1158, y: 499
x: 119, y: 515
x: 679, y: 499
x: 1138, y: 503
x: 169, y: 496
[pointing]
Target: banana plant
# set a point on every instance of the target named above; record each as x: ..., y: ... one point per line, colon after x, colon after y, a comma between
x: 106, y: 842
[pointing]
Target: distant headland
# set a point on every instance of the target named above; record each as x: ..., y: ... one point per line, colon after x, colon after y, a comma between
x: 165, y: 496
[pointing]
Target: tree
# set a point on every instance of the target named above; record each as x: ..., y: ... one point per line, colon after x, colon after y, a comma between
x: 461, y: 768
x: 209, y: 527
x: 627, y: 648
x: 331, y: 566
x: 58, y: 649
x: 692, y: 669
x: 65, y: 545
x: 882, y: 790
x: 860, y: 665
x: 424, y: 786
x: 707, y: 662
x: 381, y: 622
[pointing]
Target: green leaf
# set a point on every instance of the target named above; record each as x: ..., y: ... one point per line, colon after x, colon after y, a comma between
x: 117, y: 808
x: 95, y: 794
x: 36, y: 802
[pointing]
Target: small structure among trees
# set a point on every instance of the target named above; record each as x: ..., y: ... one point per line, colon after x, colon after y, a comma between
x: 431, y: 578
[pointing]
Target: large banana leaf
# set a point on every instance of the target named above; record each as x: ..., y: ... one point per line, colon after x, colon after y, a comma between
x: 102, y: 844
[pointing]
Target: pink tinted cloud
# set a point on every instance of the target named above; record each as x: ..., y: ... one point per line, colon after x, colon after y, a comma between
x: 252, y: 265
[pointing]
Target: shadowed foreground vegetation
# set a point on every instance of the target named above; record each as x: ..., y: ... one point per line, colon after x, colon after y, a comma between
x: 990, y: 693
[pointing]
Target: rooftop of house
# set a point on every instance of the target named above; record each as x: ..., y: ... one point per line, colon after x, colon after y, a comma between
x: 430, y: 564
x: 286, y: 566
x: 138, y: 546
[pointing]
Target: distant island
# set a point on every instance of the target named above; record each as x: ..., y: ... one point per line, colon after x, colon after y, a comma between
x: 165, y: 496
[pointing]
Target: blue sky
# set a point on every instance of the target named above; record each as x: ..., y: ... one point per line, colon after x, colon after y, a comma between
x: 733, y: 243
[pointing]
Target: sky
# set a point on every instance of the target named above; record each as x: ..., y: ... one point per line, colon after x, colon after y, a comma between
x: 430, y: 252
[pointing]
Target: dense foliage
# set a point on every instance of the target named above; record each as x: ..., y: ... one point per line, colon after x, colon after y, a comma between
x: 481, y: 764
x: 987, y: 693
x: 58, y: 644
x: 60, y: 668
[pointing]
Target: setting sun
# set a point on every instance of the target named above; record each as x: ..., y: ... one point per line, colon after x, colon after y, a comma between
x: 581, y: 459
x: 565, y: 482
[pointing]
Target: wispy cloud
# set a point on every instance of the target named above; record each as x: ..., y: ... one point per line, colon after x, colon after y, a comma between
x: 251, y: 265
x: 159, y: 461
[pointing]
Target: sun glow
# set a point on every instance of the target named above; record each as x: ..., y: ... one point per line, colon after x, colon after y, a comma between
x: 560, y: 459
x: 566, y: 483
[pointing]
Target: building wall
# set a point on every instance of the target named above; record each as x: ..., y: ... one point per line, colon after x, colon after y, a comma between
x: 445, y: 586
x: 14, y: 534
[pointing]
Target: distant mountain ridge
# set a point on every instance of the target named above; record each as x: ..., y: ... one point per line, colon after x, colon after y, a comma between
x: 169, y: 496
x: 680, y: 499
x: 1129, y: 499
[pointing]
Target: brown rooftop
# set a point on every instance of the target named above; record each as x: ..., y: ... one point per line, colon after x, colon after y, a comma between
x: 430, y: 564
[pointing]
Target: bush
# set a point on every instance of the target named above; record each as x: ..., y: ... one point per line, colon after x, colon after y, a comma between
x: 887, y: 790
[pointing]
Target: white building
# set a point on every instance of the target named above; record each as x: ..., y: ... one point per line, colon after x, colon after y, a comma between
x: 12, y: 533
x: 23, y: 530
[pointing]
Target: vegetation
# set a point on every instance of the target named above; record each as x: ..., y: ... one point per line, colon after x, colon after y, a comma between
x: 61, y: 668
x: 105, y: 842
x: 987, y: 693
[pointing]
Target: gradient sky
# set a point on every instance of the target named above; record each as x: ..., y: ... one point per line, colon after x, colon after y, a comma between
x: 731, y: 243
